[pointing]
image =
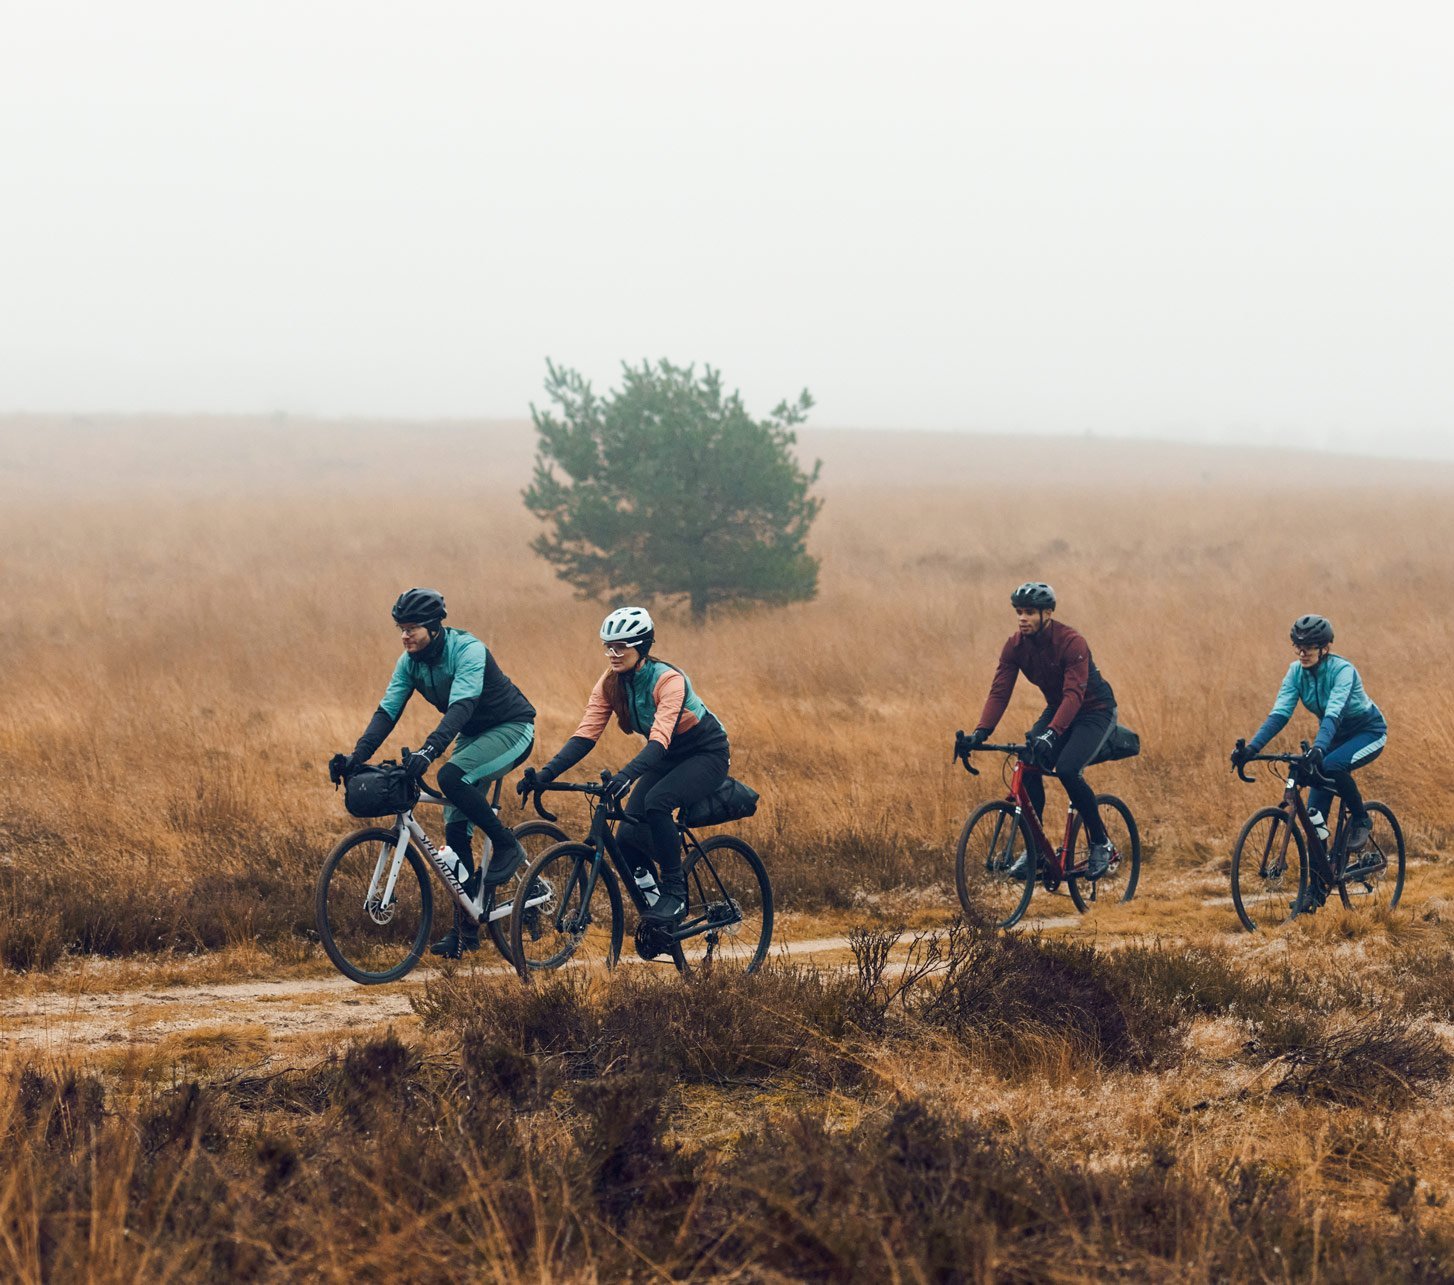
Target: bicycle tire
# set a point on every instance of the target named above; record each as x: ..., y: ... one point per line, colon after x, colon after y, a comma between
x: 983, y: 879
x: 560, y: 870
x: 347, y: 929
x: 1125, y: 872
x: 499, y: 929
x: 1373, y: 888
x: 1271, y: 892
x: 730, y: 905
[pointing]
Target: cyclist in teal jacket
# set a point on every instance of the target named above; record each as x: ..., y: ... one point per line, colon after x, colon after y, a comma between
x: 1351, y: 728
x: 491, y: 724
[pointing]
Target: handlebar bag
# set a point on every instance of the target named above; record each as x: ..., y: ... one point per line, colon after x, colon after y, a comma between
x: 730, y: 801
x: 1121, y: 743
x: 379, y: 791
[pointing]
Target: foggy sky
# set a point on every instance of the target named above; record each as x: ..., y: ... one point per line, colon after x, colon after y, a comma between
x: 1208, y: 221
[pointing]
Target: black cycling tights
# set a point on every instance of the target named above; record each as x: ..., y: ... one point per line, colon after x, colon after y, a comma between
x: 658, y: 794
x: 474, y: 802
x: 1081, y: 744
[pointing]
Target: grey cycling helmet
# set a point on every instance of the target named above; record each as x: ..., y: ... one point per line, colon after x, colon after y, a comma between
x: 1311, y: 631
x: 1035, y: 595
x: 629, y: 627
x: 420, y: 607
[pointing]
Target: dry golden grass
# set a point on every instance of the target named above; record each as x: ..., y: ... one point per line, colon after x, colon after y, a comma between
x: 197, y: 619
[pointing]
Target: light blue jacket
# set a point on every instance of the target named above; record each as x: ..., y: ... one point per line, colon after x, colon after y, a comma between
x: 1334, y: 692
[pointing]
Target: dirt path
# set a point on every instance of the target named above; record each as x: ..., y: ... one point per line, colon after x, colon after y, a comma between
x: 284, y: 1014
x: 299, y: 1008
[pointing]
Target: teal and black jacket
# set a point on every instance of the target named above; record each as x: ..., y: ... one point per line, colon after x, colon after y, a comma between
x: 461, y: 678
x: 1333, y: 691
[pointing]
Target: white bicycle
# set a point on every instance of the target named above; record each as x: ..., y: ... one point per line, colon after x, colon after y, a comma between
x: 375, y: 899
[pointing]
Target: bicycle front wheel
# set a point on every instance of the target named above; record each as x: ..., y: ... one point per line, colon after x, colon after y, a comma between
x: 995, y: 864
x: 534, y: 837
x: 729, y: 906
x: 1118, y: 884
x: 1374, y: 875
x: 556, y: 921
x: 370, y: 933
x: 1269, y: 869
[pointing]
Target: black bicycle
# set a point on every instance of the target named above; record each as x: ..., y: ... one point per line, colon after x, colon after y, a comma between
x: 1271, y: 867
x: 574, y: 911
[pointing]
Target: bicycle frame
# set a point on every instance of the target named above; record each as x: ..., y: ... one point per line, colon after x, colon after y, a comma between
x: 602, y: 838
x: 410, y: 829
x: 1018, y: 796
x: 1319, y: 852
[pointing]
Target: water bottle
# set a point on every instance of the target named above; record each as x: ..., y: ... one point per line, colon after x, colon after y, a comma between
x: 1320, y: 823
x: 647, y: 884
x: 452, y: 863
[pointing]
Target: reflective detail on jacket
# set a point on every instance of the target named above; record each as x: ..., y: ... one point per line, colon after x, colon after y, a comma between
x: 656, y: 701
x: 1333, y: 691
x: 462, y: 669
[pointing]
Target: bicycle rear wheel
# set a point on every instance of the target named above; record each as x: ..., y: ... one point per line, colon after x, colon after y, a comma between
x: 1269, y: 869
x: 534, y: 837
x: 993, y: 840
x: 1374, y: 875
x: 553, y: 923
x: 1118, y: 884
x: 368, y: 938
x: 729, y: 906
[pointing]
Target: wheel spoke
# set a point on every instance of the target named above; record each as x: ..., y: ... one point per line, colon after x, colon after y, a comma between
x: 1267, y: 869
x: 993, y: 841
x: 729, y: 911
x: 551, y: 927
x: 373, y: 909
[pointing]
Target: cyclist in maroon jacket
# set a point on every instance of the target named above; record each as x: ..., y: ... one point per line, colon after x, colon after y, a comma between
x: 1080, y: 709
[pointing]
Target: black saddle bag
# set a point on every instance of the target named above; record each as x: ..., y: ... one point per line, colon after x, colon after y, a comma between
x: 1122, y: 743
x: 730, y: 801
x: 380, y: 791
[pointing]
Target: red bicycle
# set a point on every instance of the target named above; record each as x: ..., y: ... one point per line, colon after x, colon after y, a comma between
x: 1003, y: 848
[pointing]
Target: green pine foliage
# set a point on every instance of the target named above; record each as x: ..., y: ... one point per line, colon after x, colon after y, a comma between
x: 668, y: 489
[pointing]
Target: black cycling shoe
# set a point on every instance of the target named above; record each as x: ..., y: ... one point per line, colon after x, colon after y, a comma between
x: 459, y: 940
x: 1099, y: 860
x: 503, y: 863
x: 670, y: 905
x: 1309, y: 901
x: 1359, y: 833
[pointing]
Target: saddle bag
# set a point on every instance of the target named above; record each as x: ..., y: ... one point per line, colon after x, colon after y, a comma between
x: 730, y: 801
x: 1122, y: 743
x: 380, y: 791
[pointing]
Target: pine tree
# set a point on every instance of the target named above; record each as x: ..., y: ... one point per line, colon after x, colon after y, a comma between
x: 668, y: 489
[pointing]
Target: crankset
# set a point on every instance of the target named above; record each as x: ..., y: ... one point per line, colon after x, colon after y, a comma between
x: 652, y: 941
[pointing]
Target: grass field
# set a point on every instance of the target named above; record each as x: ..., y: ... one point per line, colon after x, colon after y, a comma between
x: 198, y: 619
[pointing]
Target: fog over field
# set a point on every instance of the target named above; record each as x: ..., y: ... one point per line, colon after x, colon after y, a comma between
x: 1223, y: 223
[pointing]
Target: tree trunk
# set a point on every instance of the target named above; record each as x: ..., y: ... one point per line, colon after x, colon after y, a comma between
x: 701, y: 600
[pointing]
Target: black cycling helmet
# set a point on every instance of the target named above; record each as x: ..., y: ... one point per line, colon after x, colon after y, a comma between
x: 1035, y: 595
x: 420, y: 607
x: 1311, y: 631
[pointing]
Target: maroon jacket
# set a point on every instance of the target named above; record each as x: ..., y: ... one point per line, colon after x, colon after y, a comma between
x: 1058, y: 661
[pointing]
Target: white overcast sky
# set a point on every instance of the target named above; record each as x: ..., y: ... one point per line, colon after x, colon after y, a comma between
x: 1206, y: 220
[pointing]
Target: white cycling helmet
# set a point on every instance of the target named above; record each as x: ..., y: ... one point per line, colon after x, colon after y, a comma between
x: 629, y: 627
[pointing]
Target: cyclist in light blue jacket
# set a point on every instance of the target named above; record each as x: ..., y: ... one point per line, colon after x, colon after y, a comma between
x: 1351, y: 733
